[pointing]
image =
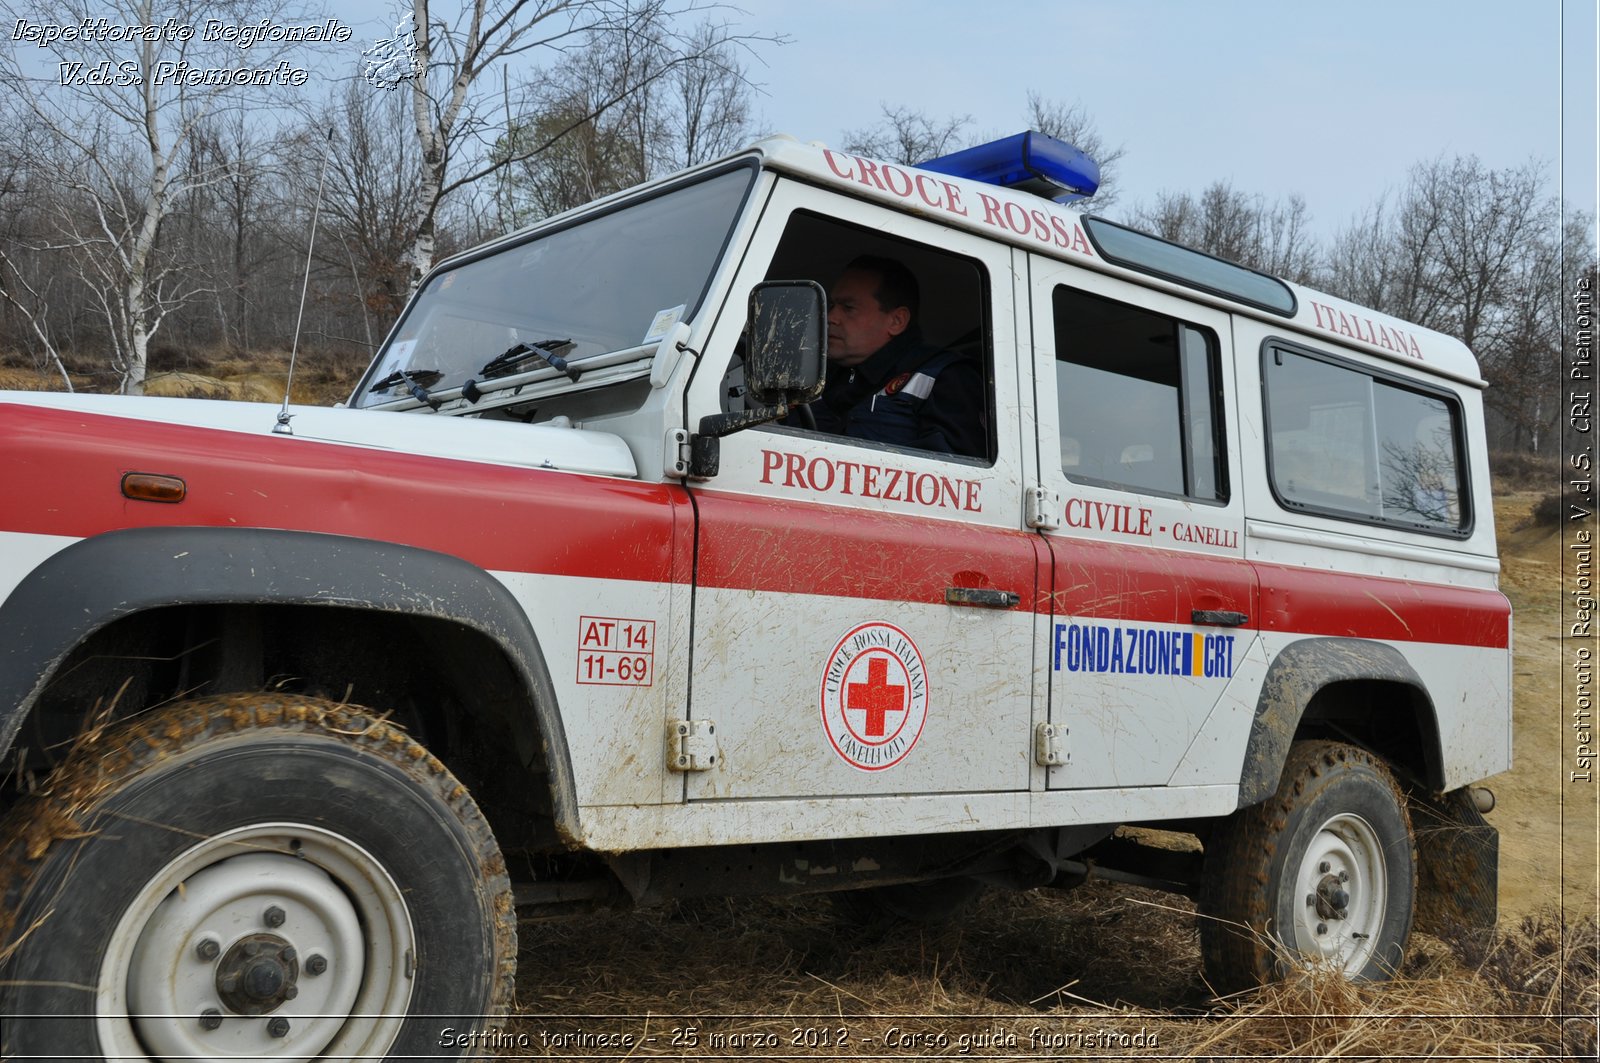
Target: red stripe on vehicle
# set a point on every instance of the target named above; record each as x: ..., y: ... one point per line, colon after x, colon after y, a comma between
x: 778, y: 546
x: 751, y: 542
x: 63, y: 471
x: 800, y: 547
x: 1312, y: 602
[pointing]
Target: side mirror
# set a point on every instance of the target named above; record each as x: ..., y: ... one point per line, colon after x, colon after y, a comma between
x: 787, y: 355
x: 785, y: 364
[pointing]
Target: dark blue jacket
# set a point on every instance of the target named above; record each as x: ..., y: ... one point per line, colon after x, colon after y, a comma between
x: 910, y: 394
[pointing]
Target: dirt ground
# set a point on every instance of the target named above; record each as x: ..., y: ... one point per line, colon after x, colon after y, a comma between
x: 1547, y: 824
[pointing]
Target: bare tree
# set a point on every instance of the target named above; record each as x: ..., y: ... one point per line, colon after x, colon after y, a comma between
x: 244, y: 196
x: 34, y: 306
x: 374, y: 181
x: 121, y: 109
x: 22, y: 297
x: 454, y: 104
x: 908, y: 136
x: 573, y: 143
x: 606, y: 120
x: 1071, y: 123
x: 1248, y: 229
x: 1476, y: 253
x: 708, y: 102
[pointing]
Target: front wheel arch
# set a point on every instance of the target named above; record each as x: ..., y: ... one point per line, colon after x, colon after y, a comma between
x: 74, y: 604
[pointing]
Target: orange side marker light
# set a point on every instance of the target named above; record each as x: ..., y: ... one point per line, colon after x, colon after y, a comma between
x: 153, y: 487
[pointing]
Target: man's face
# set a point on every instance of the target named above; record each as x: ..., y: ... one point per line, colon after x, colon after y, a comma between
x: 857, y: 326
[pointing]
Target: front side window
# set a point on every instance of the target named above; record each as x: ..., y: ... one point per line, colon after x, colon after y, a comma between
x: 1359, y: 445
x: 1138, y: 399
x: 909, y: 353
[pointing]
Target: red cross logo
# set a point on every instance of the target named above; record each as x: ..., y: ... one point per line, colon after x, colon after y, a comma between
x: 874, y: 696
x: 877, y: 696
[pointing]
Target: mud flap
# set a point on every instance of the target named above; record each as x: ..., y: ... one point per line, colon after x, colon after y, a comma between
x: 1458, y: 869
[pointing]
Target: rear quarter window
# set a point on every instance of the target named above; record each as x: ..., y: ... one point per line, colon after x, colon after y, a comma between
x: 1355, y: 443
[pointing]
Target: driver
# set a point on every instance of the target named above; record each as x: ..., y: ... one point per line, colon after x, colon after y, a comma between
x: 883, y: 382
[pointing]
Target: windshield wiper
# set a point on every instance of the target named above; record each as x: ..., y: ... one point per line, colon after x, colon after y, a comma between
x: 416, y: 382
x: 550, y: 351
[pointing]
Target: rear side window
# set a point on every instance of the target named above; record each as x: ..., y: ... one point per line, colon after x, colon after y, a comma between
x: 1138, y: 398
x: 1351, y: 443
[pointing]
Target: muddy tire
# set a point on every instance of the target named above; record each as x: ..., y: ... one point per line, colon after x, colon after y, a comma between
x: 1323, y: 871
x: 251, y: 876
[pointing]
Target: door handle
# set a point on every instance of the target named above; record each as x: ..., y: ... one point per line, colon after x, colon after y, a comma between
x: 1218, y: 617
x: 983, y: 597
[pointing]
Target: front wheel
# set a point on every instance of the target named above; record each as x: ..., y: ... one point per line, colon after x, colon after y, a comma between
x: 254, y: 876
x: 1325, y: 870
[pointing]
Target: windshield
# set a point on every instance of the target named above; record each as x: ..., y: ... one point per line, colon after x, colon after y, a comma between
x: 597, y: 286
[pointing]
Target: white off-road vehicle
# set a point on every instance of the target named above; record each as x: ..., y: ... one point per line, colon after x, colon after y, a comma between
x: 569, y: 606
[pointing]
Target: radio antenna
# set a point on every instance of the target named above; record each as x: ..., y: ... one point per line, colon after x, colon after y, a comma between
x: 282, y: 427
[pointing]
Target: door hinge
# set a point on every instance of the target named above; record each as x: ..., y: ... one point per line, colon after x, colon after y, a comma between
x: 1043, y: 508
x: 691, y: 745
x: 1048, y: 749
x: 675, y: 453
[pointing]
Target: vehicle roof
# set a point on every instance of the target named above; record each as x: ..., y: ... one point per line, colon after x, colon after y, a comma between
x: 1040, y: 225
x: 1002, y: 214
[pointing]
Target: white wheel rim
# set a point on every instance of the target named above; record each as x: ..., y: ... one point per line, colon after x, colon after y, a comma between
x: 278, y: 906
x: 1344, y: 862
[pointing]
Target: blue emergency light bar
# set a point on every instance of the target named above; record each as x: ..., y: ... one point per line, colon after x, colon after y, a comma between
x: 1027, y: 162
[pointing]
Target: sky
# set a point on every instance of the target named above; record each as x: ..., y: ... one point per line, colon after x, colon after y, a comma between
x: 1335, y: 101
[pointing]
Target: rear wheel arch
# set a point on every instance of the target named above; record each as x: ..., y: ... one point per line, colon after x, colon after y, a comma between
x: 144, y: 615
x: 1354, y: 690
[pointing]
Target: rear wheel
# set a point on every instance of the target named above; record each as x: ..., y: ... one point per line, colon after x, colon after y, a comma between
x: 1325, y: 870
x: 256, y: 876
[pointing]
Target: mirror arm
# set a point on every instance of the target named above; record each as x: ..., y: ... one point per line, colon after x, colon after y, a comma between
x: 717, y: 425
x: 705, y: 447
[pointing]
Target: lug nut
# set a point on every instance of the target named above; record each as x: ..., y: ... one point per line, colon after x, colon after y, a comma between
x: 274, y: 916
x: 290, y: 992
x: 1322, y: 928
x: 287, y: 954
x: 208, y: 949
x: 1324, y: 867
x: 1344, y: 876
x: 210, y: 1019
x: 1311, y: 900
x: 316, y: 963
x: 278, y: 1027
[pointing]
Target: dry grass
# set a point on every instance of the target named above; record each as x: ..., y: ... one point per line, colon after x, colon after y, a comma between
x: 27, y: 378
x: 1105, y: 972
x: 320, y: 379
x: 199, y: 386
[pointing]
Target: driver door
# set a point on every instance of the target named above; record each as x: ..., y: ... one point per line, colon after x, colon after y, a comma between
x: 864, y: 613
